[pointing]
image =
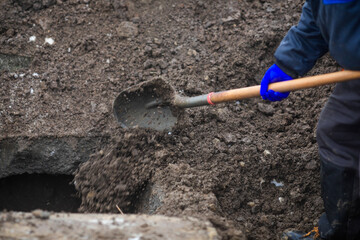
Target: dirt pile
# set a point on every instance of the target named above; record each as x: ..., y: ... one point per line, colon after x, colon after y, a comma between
x: 251, y: 167
x: 122, y: 174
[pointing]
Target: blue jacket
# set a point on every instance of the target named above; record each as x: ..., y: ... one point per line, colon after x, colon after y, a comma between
x: 325, y: 25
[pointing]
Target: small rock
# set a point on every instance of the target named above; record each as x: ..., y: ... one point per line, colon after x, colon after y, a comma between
x: 148, y: 50
x: 216, y: 141
x: 157, y: 41
x: 32, y: 39
x: 185, y: 140
x: 37, y: 6
x: 103, y: 108
x: 246, y: 140
x: 38, y: 213
x: 261, y: 180
x: 270, y: 9
x: 255, y: 209
x: 229, y: 20
x: 209, y: 24
x: 174, y: 63
x: 35, y: 75
x: 266, y: 108
x: 156, y: 52
x: 90, y: 195
x: 44, y: 23
x: 136, y: 19
x: 312, y: 165
x: 49, y: 41
x: 267, y: 152
x: 148, y: 64
x: 212, y: 207
x: 229, y: 138
x: 240, y: 219
x: 192, y: 52
x: 48, y: 3
x: 16, y: 113
x: 146, y: 1
x: 295, y: 194
x: 264, y: 219
x: 127, y: 29
x: 222, y: 114
x: 163, y: 64
x: 10, y: 32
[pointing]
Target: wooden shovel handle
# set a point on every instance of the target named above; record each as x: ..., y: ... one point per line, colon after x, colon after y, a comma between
x: 296, y: 84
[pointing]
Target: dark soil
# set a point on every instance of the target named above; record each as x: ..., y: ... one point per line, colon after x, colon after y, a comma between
x: 220, y: 163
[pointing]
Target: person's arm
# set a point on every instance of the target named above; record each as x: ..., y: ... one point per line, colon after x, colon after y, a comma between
x: 296, y: 54
x: 302, y: 46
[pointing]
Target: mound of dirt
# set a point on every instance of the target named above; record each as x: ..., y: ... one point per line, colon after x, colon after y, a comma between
x: 251, y: 167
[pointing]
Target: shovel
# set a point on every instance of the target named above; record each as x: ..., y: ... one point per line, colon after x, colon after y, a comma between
x: 154, y: 104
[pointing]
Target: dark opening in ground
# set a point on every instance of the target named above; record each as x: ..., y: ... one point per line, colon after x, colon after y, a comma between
x: 27, y: 192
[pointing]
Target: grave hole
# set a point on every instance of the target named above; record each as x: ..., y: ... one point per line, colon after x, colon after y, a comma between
x: 27, y: 192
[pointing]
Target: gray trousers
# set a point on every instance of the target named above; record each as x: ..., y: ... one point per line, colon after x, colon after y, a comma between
x: 338, y: 137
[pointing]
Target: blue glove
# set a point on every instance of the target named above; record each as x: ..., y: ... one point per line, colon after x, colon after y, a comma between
x: 273, y: 74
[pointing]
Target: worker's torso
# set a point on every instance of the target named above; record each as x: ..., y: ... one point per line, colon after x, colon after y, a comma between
x: 339, y: 23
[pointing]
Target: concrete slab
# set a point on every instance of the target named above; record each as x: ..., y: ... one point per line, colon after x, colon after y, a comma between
x: 41, y: 225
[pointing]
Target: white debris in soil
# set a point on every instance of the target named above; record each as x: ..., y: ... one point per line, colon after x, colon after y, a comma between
x: 261, y: 181
x: 49, y: 41
x: 107, y: 60
x: 32, y: 39
x: 31, y: 91
x: 192, y: 52
x: 169, y: 133
x: 22, y: 75
x: 267, y: 152
x: 136, y: 237
x: 69, y: 50
x: 281, y: 199
x: 35, y: 75
x: 277, y: 184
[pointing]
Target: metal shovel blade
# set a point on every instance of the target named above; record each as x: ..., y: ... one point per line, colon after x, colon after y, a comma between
x: 146, y: 106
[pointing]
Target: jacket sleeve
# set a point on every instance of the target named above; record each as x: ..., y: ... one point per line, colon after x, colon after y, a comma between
x: 302, y: 46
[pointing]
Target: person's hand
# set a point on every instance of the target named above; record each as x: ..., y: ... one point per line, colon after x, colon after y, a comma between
x: 273, y: 74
